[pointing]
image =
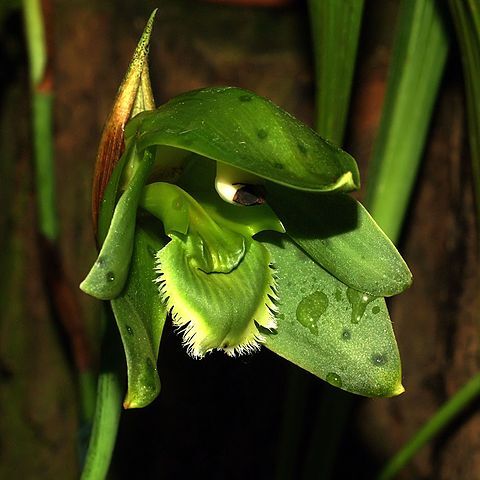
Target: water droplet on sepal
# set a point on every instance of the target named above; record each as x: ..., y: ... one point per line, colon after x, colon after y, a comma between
x: 334, y: 379
x: 310, y: 309
x: 359, y: 302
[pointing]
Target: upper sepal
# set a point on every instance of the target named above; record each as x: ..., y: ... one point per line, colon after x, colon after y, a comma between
x: 244, y: 130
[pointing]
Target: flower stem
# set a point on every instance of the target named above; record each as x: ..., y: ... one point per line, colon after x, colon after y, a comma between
x: 432, y: 427
x: 37, y: 16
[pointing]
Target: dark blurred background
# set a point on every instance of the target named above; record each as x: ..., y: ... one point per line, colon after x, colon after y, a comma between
x: 223, y: 418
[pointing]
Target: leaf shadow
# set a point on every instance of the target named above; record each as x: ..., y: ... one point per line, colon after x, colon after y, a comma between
x: 313, y: 215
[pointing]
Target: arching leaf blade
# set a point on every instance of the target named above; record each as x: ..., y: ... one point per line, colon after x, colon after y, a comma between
x: 360, y: 356
x: 242, y: 129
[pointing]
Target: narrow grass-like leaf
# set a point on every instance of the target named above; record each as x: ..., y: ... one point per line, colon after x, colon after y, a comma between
x: 339, y: 234
x: 335, y: 31
x: 330, y: 330
x: 239, y: 128
x: 466, y: 16
x: 418, y: 61
x: 41, y: 82
x: 140, y: 316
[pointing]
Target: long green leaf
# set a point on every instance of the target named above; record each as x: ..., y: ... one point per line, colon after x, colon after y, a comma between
x: 335, y: 30
x: 418, y: 62
x: 332, y: 331
x: 239, y: 128
x: 466, y: 17
x: 339, y: 234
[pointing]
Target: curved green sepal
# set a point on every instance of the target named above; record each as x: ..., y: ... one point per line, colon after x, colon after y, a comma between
x: 242, y: 129
x: 212, y: 248
x: 339, y: 335
x: 140, y: 316
x: 109, y: 273
x: 218, y: 310
x: 339, y: 234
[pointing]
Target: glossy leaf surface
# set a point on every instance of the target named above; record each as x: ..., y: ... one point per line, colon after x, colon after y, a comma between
x: 109, y: 273
x: 336, y: 333
x: 140, y: 316
x: 242, y: 129
x: 339, y: 234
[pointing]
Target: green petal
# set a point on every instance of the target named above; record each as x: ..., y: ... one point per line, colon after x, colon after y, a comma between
x: 212, y: 248
x: 242, y: 129
x: 338, y: 233
x: 218, y: 310
x: 338, y: 334
x: 140, y: 316
x: 109, y: 273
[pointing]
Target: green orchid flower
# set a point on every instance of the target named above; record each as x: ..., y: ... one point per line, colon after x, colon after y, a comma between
x: 231, y: 217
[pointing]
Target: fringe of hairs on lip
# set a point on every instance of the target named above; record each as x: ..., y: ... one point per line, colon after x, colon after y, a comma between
x: 191, y: 330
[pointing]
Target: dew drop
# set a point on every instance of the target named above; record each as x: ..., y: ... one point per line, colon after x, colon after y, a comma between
x: 110, y: 276
x: 310, y: 309
x: 130, y: 330
x: 359, y: 302
x: 262, y: 134
x: 334, y: 379
x: 346, y: 334
x: 149, y: 377
x: 379, y: 359
x: 303, y: 149
x: 376, y: 309
x: 177, y: 203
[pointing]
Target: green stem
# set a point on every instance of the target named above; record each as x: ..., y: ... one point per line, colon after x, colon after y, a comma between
x: 45, y: 178
x: 42, y: 117
x: 108, y: 406
x: 43, y: 155
x: 434, y: 425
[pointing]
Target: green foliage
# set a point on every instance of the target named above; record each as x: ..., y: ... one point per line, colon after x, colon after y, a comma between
x: 227, y: 284
x: 237, y: 127
x: 418, y: 61
x: 335, y: 32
